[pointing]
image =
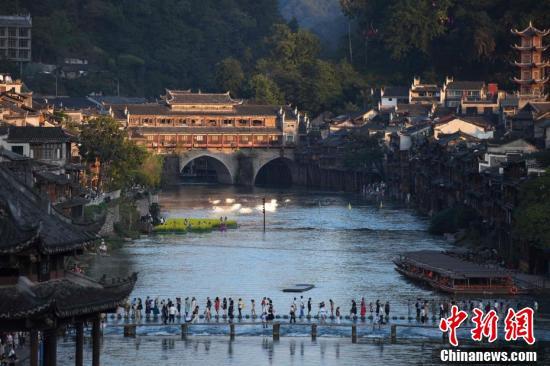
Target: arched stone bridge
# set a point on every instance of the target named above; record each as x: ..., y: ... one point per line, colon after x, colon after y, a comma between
x: 238, y: 166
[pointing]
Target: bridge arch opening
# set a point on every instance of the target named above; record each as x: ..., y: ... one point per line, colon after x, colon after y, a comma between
x: 206, y: 170
x: 275, y: 173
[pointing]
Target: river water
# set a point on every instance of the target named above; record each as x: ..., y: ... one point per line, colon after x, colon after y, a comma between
x: 342, y: 243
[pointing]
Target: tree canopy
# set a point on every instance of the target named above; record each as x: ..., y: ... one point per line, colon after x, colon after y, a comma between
x: 122, y: 162
x: 468, y: 39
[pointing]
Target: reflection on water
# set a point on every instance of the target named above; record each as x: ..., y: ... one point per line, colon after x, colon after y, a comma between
x: 214, y: 350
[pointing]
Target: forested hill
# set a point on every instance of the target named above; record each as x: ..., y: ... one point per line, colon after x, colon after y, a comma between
x: 324, y: 17
x: 147, y: 44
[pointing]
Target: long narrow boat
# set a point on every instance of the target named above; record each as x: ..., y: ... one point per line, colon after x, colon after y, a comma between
x: 454, y: 275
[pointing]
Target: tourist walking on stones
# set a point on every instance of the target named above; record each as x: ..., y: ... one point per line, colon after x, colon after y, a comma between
x: 147, y: 307
x: 338, y: 315
x: 363, y: 308
x: 270, y: 312
x: 240, y: 305
x: 193, y: 303
x: 164, y: 314
x: 302, y: 307
x: 371, y: 309
x: 187, y: 307
x: 195, y: 317
x: 353, y: 310
x: 322, y: 312
x: 178, y: 305
x: 224, y: 306
x: 293, y: 313
x: 331, y: 303
x: 387, y: 310
x: 252, y: 308
x: 207, y: 314
x: 309, y: 307
x: 417, y: 306
x: 231, y: 309
x: 172, y: 313
x: 208, y: 303
x: 264, y: 319
x: 217, y: 305
x: 377, y: 307
x: 138, y: 309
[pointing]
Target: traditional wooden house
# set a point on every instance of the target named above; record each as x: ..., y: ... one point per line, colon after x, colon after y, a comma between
x: 38, y: 293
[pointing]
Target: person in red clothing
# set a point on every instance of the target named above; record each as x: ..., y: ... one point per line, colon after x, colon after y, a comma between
x: 363, y: 308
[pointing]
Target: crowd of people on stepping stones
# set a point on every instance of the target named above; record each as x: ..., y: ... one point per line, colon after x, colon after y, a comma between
x: 227, y: 308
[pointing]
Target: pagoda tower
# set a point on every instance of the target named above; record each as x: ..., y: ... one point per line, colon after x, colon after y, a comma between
x: 532, y: 65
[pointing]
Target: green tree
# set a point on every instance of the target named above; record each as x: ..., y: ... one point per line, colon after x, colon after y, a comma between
x: 102, y: 139
x: 363, y: 152
x: 265, y: 91
x: 230, y: 76
x: 533, y: 212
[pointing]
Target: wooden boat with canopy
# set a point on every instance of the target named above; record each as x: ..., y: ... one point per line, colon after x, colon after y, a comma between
x: 452, y: 274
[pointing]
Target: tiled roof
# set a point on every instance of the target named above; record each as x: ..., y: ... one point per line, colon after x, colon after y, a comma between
x: 27, y: 219
x: 10, y: 155
x: 451, y: 266
x: 188, y: 97
x: 38, y: 134
x: 72, y: 295
x: 66, y: 102
x: 396, y: 91
x: 237, y: 110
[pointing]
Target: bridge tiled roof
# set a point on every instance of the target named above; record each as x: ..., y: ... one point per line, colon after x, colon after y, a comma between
x: 237, y: 110
x: 188, y: 97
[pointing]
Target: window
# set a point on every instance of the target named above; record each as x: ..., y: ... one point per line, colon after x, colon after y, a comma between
x: 46, y: 151
x: 23, y: 32
x: 2, y: 32
x: 23, y: 54
x: 290, y: 138
x: 12, y: 32
x: 12, y: 43
x: 18, y: 149
x: 212, y: 123
x: 227, y: 122
x: 2, y: 43
x: 199, y: 138
x: 257, y: 123
x: 23, y: 43
x: 12, y: 53
x: 243, y: 122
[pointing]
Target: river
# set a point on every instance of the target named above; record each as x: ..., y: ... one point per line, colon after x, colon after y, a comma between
x: 342, y: 243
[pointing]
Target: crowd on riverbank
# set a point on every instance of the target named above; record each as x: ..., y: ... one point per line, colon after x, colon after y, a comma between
x: 379, y: 312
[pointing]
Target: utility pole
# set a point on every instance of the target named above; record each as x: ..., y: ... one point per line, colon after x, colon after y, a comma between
x: 263, y: 210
